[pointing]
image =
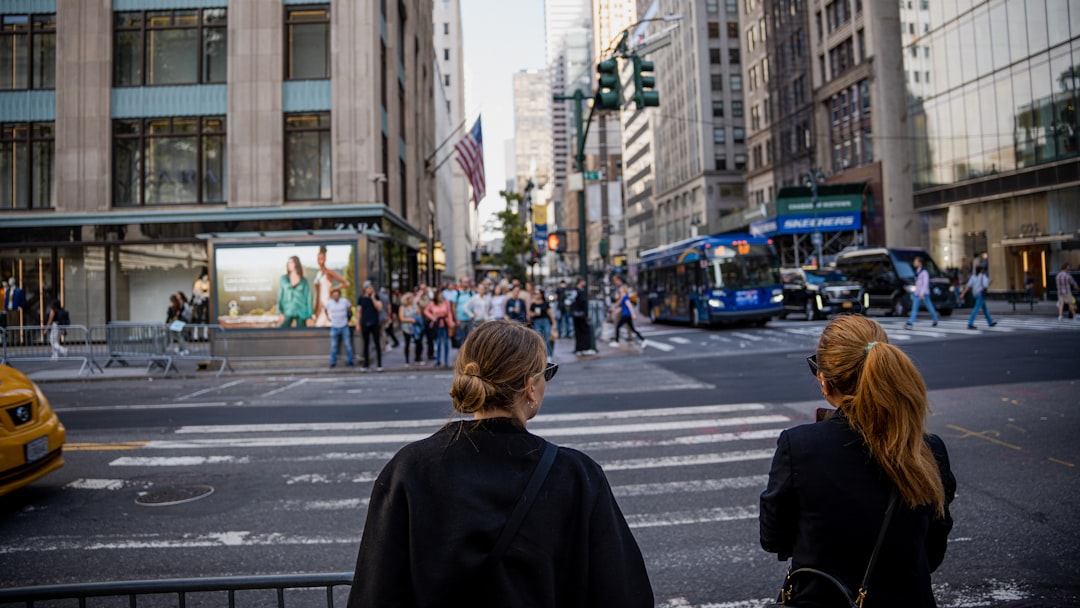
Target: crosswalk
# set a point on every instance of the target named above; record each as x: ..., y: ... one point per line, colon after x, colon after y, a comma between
x: 687, y: 479
x: 783, y: 333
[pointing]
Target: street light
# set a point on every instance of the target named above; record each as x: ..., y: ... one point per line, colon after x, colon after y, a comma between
x: 815, y: 239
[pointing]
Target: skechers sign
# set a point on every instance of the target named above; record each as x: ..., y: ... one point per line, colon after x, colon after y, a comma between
x: 799, y: 224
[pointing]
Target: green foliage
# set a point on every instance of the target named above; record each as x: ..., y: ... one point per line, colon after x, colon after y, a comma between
x: 516, y: 242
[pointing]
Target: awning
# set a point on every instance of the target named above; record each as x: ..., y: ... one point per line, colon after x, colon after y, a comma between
x: 831, y: 198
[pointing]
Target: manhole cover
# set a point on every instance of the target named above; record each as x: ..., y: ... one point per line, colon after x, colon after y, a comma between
x: 167, y: 497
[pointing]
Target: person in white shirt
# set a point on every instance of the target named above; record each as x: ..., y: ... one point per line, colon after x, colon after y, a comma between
x: 479, y: 306
x: 498, y: 303
x: 978, y: 283
x: 336, y: 311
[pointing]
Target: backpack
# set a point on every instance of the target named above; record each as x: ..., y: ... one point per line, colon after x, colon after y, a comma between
x: 185, y: 314
x: 63, y: 318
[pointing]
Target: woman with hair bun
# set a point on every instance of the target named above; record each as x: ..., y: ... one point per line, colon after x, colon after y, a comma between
x: 831, y: 482
x: 443, y: 525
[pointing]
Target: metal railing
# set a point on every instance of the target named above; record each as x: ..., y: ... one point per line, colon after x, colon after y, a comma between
x: 47, y: 343
x: 118, y: 343
x: 192, y: 590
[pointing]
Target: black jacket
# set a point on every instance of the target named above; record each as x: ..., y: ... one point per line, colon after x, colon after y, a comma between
x: 441, y: 503
x: 824, y: 505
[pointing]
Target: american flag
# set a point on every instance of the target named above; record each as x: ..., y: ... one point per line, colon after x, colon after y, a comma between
x: 470, y: 155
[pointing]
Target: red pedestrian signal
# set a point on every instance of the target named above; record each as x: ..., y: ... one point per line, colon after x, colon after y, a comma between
x: 556, y: 241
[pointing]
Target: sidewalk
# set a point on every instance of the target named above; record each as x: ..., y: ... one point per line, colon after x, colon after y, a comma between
x: 394, y: 359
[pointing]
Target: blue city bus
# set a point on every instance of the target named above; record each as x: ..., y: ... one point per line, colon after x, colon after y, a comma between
x: 711, y: 279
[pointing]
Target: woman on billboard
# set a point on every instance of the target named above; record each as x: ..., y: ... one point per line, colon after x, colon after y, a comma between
x: 326, y: 280
x: 294, y: 296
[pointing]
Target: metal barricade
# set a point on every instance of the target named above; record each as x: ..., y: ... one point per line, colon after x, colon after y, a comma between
x: 159, y: 346
x: 48, y: 343
x: 192, y: 591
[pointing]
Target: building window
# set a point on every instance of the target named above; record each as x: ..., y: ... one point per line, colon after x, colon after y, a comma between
x: 736, y: 82
x: 446, y: 80
x: 717, y: 82
x: 714, y: 29
x: 307, y: 43
x: 160, y: 161
x: 719, y: 136
x: 27, y: 52
x: 731, y: 6
x: 732, y: 30
x: 721, y: 162
x: 738, y: 134
x: 740, y: 162
x: 186, y: 46
x: 734, y: 57
x: 307, y: 156
x: 714, y: 56
x: 755, y: 118
x: 737, y: 109
x: 446, y: 29
x: 718, y: 109
x: 446, y: 54
x: 27, y: 166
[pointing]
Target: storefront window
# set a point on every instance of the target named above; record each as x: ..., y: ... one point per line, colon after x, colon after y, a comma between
x: 27, y: 166
x: 307, y: 156
x: 170, y: 47
x: 27, y: 52
x: 307, y: 44
x: 169, y: 160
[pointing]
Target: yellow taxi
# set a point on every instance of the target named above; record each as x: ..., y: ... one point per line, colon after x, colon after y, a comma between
x: 31, y: 436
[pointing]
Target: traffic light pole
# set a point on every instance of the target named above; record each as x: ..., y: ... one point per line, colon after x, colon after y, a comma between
x: 582, y: 129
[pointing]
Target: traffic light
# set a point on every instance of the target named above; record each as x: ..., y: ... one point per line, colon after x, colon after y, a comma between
x: 557, y: 241
x: 644, y: 82
x: 609, y: 91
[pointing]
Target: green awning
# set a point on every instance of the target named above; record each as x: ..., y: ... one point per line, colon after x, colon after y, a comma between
x: 832, y: 198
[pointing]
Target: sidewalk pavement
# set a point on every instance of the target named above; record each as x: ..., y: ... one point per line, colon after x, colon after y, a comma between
x: 394, y: 359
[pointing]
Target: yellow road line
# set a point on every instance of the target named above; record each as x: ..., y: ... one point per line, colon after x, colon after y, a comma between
x: 104, y: 447
x: 983, y: 435
x: 1068, y: 464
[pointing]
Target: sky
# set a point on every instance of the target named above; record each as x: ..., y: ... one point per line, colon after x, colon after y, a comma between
x: 501, y: 37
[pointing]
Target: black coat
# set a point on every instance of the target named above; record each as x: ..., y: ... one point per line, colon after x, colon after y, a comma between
x: 824, y: 505
x: 441, y: 503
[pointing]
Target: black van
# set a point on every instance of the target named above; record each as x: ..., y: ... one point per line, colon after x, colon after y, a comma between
x: 888, y: 276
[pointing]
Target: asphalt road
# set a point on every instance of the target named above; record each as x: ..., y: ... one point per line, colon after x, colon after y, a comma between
x: 684, y: 433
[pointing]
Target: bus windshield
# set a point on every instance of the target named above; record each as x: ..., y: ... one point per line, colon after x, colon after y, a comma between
x: 731, y: 270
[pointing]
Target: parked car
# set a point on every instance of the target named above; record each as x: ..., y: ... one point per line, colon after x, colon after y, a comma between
x: 888, y: 276
x: 31, y: 436
x: 818, y: 293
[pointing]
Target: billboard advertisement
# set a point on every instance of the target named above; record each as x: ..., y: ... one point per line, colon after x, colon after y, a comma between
x: 280, y: 286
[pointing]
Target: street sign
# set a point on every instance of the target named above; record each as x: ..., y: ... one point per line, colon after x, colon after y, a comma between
x: 592, y: 176
x: 815, y: 238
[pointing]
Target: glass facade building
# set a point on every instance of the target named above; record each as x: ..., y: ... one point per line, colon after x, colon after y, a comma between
x: 992, y: 91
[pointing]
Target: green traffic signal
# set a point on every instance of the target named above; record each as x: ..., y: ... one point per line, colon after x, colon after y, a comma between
x: 609, y: 91
x: 644, y: 81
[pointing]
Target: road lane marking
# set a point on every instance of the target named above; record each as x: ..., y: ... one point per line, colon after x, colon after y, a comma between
x: 240, y: 538
x: 104, y: 447
x: 682, y: 461
x: 697, y: 485
x: 654, y: 343
x: 1068, y: 464
x: 346, y: 504
x: 211, y: 389
x: 321, y: 478
x: 698, y: 516
x: 746, y: 336
x: 97, y: 484
x: 291, y: 385
x: 175, y: 461
x: 983, y: 435
x: 691, y: 410
x: 679, y: 340
x: 684, y: 440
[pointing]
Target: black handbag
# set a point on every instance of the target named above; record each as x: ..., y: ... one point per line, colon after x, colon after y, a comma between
x: 851, y: 601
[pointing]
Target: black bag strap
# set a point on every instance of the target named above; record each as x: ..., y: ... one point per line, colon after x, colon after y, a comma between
x: 532, y: 489
x: 857, y: 601
x: 877, y: 546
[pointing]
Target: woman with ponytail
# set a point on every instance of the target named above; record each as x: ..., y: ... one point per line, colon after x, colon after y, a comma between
x: 830, y: 482
x: 440, y: 525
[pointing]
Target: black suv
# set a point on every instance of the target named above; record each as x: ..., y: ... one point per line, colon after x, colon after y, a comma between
x: 888, y: 276
x: 818, y: 293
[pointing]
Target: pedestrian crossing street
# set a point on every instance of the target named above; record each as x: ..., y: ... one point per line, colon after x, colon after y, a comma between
x: 687, y: 479
x: 784, y: 333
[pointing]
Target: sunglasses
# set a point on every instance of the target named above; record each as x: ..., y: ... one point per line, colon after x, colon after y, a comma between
x: 812, y: 362
x: 549, y: 371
